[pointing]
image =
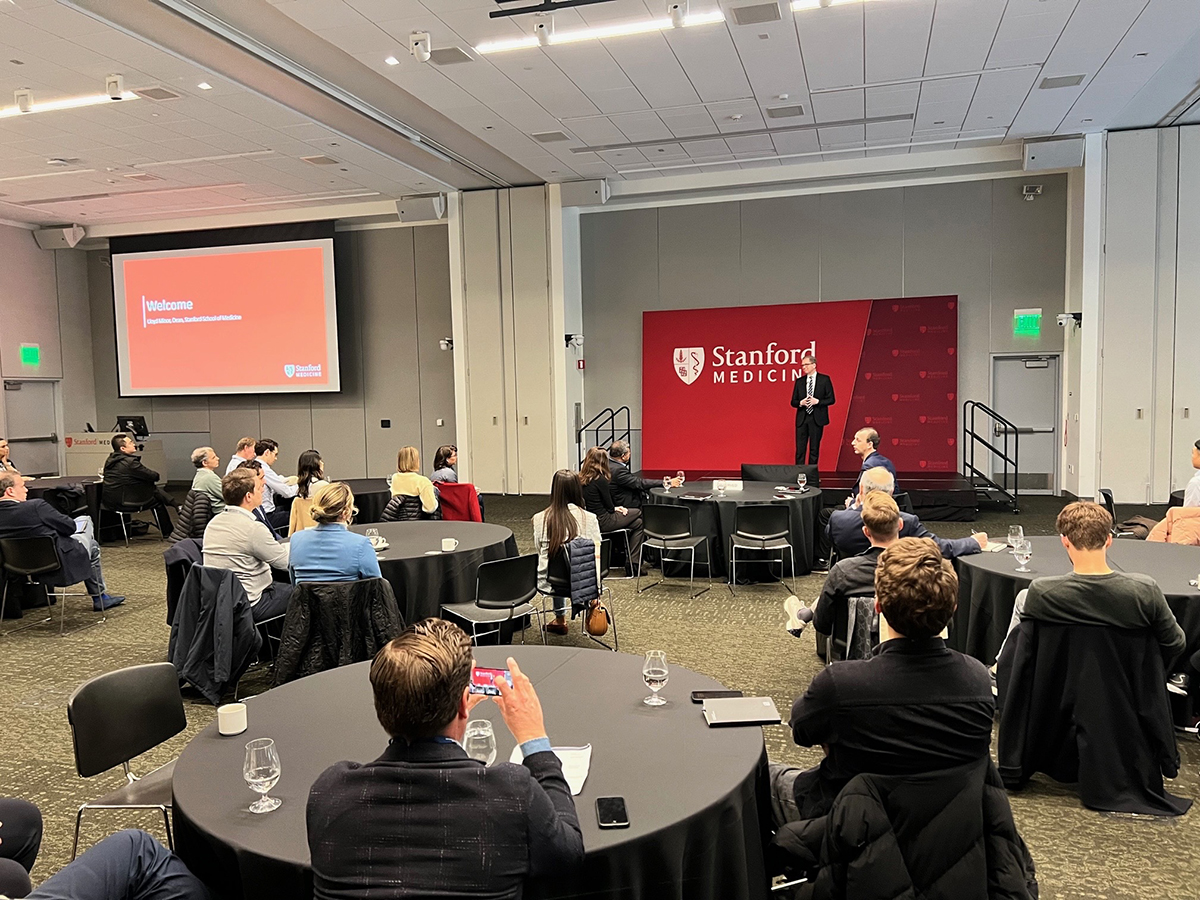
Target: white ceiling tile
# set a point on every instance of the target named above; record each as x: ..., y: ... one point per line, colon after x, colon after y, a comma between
x: 896, y: 38
x: 894, y: 100
x: 832, y: 43
x: 770, y: 56
x: 998, y: 98
x: 596, y: 131
x: 963, y: 31
x: 688, y: 121
x: 649, y: 64
x: 796, y: 142
x: 751, y: 143
x: 879, y: 132
x: 841, y: 136
x: 643, y: 126
x: 705, y: 149
x: 838, y: 106
x: 707, y: 55
x: 1029, y: 30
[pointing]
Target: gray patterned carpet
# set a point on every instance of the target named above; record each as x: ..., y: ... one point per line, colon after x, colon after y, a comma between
x: 737, y: 639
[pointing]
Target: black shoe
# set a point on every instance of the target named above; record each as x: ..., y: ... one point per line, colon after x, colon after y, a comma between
x: 820, y: 565
x: 106, y: 601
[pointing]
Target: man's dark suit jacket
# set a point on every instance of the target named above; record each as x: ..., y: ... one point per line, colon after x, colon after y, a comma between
x: 873, y: 459
x: 845, y: 532
x: 822, y: 391
x: 424, y: 820
x: 37, y: 518
x: 627, y: 489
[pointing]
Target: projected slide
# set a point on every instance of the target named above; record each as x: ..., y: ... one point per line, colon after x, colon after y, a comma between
x: 252, y: 318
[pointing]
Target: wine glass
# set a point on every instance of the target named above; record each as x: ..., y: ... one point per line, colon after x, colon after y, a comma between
x: 1023, y: 550
x: 719, y: 484
x: 261, y: 770
x: 372, y: 534
x: 654, y: 673
x: 802, y: 481
x: 679, y: 475
x: 479, y: 741
x: 1016, y: 534
x: 666, y: 482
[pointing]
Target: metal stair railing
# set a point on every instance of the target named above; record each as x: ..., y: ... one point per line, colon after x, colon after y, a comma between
x: 995, y: 426
x: 607, y: 418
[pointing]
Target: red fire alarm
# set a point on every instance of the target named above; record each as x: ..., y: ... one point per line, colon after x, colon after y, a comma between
x: 579, y: 363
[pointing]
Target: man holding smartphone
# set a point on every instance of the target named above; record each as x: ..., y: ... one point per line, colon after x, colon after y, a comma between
x: 426, y: 820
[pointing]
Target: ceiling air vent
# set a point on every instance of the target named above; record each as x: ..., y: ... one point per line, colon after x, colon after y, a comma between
x: 1060, y: 81
x: 785, y: 112
x: 143, y: 177
x: 448, y: 56
x: 321, y: 160
x: 755, y: 15
x: 549, y: 137
x: 157, y: 93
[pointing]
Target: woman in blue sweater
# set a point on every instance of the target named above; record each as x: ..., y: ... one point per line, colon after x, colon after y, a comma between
x: 331, y: 552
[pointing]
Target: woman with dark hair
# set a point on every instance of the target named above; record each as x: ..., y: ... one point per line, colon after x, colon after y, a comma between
x: 310, y: 478
x: 595, y: 476
x: 443, y: 464
x: 556, y: 526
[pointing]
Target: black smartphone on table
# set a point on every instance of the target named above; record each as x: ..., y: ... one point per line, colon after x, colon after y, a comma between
x: 701, y: 696
x: 610, y: 812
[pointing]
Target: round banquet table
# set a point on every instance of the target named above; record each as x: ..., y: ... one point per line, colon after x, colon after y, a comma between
x: 696, y: 796
x: 371, y: 495
x: 988, y: 586
x: 714, y: 517
x: 1176, y: 498
x: 422, y: 577
x: 90, y: 485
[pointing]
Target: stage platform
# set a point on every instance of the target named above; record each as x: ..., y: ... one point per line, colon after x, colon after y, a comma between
x: 941, y: 497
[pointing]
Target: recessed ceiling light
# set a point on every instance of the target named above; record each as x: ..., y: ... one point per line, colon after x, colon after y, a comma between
x: 1060, y: 81
x: 1140, y: 55
x: 66, y: 103
x: 204, y: 86
x: 392, y: 61
x: 599, y: 33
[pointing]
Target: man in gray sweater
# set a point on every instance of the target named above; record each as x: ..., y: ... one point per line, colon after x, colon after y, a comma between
x: 1093, y: 594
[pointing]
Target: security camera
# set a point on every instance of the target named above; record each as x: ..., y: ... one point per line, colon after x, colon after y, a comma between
x: 446, y: 343
x: 114, y: 86
x: 1070, y: 320
x: 419, y: 45
x: 574, y: 340
x: 544, y: 30
x: 677, y: 12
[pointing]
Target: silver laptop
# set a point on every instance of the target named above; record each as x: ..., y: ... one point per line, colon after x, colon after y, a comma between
x: 741, y: 711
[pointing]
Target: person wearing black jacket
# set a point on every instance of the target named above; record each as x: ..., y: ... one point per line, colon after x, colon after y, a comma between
x: 124, y: 468
x: 812, y: 395
x: 627, y: 489
x: 596, y: 479
x: 426, y: 820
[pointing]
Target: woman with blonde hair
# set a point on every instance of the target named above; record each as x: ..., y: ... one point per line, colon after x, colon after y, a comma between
x: 556, y: 526
x: 595, y: 477
x: 330, y: 551
x: 413, y: 496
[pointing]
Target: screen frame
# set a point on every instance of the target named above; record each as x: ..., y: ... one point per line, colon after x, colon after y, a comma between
x: 121, y: 324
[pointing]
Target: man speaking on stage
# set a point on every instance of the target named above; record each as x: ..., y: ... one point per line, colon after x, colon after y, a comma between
x: 812, y: 395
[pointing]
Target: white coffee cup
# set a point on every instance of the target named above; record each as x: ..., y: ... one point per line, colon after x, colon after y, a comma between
x: 449, y: 544
x: 231, y: 718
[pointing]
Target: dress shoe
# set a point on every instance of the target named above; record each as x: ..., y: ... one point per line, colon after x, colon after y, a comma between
x: 106, y: 601
x: 558, y: 626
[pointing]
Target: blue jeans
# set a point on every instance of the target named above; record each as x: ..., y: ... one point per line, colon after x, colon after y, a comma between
x: 128, y: 865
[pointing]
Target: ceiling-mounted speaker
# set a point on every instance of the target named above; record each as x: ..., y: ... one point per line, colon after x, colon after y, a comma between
x: 59, y: 238
x: 425, y: 208
x: 584, y: 193
x: 1063, y: 153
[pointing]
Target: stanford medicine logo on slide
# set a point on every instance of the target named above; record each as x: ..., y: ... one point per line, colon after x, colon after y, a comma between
x: 291, y: 370
x: 689, y: 363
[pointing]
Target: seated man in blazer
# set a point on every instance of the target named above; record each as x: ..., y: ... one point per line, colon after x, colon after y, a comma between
x: 845, y: 526
x: 627, y: 489
x: 78, y: 549
x: 426, y: 820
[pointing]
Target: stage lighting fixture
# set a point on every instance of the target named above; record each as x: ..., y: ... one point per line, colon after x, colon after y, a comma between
x: 544, y: 30
x: 677, y: 13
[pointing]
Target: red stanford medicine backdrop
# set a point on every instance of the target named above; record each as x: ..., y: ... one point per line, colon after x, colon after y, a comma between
x: 717, y: 383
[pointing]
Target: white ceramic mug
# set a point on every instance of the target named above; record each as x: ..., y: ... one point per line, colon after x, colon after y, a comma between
x: 231, y: 718
x: 449, y: 544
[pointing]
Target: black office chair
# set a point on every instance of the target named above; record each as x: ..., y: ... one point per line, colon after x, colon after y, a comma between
x: 558, y: 574
x: 623, y: 535
x: 1106, y: 497
x: 130, y: 500
x: 118, y: 716
x: 503, y: 589
x: 33, y: 559
x: 761, y: 527
x: 669, y: 528
x: 855, y: 630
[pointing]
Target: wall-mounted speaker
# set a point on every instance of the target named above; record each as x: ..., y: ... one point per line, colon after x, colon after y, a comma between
x: 425, y: 208
x: 1064, y: 153
x: 59, y: 238
x: 584, y: 193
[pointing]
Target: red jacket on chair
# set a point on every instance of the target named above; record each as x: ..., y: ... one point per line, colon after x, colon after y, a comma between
x: 460, y: 502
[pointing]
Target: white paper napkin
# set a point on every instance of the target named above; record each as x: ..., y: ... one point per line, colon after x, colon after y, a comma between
x: 576, y: 762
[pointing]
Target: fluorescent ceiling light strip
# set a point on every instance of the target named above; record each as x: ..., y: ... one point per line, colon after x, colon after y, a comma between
x: 9, y: 112
x: 733, y: 162
x: 921, y: 80
x: 197, y: 159
x: 59, y: 173
x: 600, y: 33
x: 802, y: 5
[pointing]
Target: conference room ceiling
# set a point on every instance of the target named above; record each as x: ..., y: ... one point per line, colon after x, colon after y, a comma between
x: 856, y: 79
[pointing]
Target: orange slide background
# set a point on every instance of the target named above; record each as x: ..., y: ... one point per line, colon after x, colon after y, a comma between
x: 280, y: 295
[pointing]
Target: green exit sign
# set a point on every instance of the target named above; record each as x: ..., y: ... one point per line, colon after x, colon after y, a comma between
x: 31, y: 355
x: 1027, y: 323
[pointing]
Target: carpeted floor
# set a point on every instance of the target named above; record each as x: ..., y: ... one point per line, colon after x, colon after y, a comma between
x: 737, y: 639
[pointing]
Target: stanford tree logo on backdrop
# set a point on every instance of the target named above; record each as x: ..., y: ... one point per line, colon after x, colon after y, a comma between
x: 689, y: 363
x: 289, y: 370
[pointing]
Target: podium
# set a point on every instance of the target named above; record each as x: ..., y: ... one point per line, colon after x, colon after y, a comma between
x: 86, y: 452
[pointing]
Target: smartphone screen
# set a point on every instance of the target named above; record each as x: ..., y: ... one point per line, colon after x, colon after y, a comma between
x: 610, y: 812
x: 483, y: 681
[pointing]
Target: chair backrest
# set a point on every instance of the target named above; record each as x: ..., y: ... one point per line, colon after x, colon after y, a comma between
x: 30, y: 556
x: 129, y: 496
x: 1106, y: 497
x: 122, y: 714
x: 762, y: 521
x: 606, y: 546
x: 780, y: 474
x: 402, y: 508
x: 666, y: 522
x: 904, y: 502
x: 558, y: 572
x: 459, y: 502
x: 505, y: 583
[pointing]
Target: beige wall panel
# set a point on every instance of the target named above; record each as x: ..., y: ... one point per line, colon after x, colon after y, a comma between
x: 780, y: 259
x: 29, y: 305
x: 699, y: 256
x: 862, y: 244
x: 431, y: 252
x: 75, y: 329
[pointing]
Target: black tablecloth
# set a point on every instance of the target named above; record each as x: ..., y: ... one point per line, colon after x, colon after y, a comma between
x: 988, y: 587
x: 90, y: 485
x: 1176, y: 498
x: 696, y: 796
x: 422, y: 577
x: 371, y: 495
x: 714, y: 517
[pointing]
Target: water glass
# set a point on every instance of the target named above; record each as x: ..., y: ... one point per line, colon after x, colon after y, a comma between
x: 1023, y: 550
x: 666, y: 482
x: 719, y: 484
x: 479, y: 741
x: 1016, y: 534
x: 261, y: 770
x: 654, y: 673
x: 372, y: 534
x: 802, y: 481
x: 679, y: 475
